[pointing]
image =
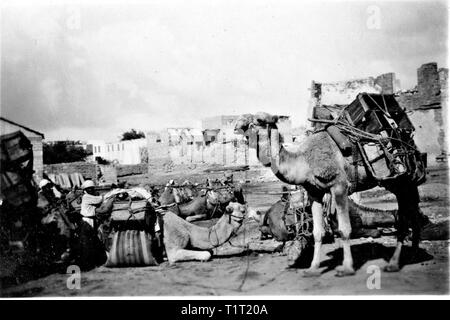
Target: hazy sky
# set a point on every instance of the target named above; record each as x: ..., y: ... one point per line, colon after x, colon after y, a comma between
x: 93, y: 71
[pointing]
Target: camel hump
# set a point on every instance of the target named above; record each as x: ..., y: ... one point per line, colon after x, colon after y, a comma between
x: 266, y: 118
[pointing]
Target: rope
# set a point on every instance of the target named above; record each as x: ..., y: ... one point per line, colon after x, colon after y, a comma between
x: 356, y: 134
x: 247, y: 268
x: 385, y: 112
x: 200, y: 187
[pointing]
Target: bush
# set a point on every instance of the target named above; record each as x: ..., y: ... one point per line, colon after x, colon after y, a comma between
x: 131, y: 135
x: 63, y: 151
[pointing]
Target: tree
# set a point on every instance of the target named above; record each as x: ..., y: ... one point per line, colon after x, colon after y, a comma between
x: 131, y: 135
x: 63, y: 151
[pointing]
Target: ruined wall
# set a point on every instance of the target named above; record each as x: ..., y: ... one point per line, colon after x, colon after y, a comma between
x: 227, y: 153
x: 427, y: 132
x: 427, y: 104
x: 427, y: 108
x: 443, y: 81
x: 218, y: 122
x: 387, y: 82
x: 158, y: 154
x: 131, y: 169
x: 38, y: 156
x: 343, y: 92
x: 428, y: 84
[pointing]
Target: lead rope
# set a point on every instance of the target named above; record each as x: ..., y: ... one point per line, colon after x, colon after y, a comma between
x: 247, y: 268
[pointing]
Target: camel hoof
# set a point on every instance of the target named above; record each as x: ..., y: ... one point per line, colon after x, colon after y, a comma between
x: 342, y: 271
x: 391, y: 268
x: 293, y: 253
x: 312, y: 272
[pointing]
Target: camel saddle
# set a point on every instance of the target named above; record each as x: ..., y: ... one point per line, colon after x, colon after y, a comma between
x: 376, y: 132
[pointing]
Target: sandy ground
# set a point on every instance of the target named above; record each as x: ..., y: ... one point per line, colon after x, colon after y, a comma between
x: 268, y: 273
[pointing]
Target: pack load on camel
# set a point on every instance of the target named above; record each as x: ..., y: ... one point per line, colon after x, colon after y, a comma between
x: 128, y: 232
x: 22, y: 252
x: 377, y: 132
x: 17, y: 188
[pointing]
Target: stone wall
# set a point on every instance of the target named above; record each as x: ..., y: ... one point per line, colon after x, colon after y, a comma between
x: 387, y: 82
x: 428, y: 85
x: 38, y: 157
x: 131, y: 169
x: 427, y: 132
x: 87, y: 170
x: 158, y: 152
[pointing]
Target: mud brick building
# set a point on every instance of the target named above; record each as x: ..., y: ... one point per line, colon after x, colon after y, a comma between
x: 214, y: 143
x: 426, y: 104
x: 35, y: 137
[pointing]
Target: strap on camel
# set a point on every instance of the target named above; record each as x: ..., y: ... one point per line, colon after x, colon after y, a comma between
x: 358, y: 138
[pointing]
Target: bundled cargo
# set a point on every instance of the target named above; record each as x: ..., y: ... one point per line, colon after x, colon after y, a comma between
x: 132, y: 239
x: 123, y: 211
x: 17, y: 188
x: 375, y: 130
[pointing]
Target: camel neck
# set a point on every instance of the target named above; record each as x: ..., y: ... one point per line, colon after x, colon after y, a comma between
x: 285, y: 164
x: 221, y: 231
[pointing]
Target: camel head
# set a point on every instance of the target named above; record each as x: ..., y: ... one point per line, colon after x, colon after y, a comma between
x: 188, y: 189
x: 236, y: 212
x: 255, y: 215
x: 248, y: 122
x: 212, y: 197
x: 243, y: 123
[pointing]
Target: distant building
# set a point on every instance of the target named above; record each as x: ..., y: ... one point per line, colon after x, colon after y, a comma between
x: 122, y: 152
x: 35, y: 137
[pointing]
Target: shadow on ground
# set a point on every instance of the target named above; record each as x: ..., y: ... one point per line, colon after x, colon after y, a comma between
x: 363, y: 253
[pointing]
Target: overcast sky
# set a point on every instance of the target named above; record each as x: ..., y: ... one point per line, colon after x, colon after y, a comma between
x: 93, y: 71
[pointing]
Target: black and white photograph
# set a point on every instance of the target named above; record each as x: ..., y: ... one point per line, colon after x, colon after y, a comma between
x: 215, y: 149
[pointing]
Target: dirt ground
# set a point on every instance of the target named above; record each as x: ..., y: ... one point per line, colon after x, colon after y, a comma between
x: 268, y: 273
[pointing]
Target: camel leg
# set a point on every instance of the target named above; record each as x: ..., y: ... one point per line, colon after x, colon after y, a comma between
x: 416, y: 219
x: 408, y: 207
x: 339, y: 194
x: 176, y: 255
x: 318, y: 232
x: 402, y: 231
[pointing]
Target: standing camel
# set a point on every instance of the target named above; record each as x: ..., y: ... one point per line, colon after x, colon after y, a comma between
x: 319, y: 166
